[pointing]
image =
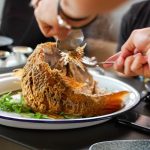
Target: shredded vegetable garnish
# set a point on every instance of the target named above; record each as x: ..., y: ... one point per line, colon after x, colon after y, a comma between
x: 9, y: 104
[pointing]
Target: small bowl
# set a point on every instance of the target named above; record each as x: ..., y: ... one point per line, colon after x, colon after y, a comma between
x: 22, y: 49
x: 4, y: 54
x: 5, y: 41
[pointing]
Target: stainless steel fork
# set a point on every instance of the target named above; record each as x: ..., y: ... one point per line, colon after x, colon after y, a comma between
x: 92, y: 62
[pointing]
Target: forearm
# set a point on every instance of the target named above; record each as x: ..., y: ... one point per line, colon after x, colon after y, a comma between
x: 85, y: 8
x: 78, y: 8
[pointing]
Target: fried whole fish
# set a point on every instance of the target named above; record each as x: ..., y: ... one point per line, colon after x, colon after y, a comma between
x: 54, y: 82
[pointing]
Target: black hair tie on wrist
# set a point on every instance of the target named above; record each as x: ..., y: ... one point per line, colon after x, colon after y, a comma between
x: 60, y: 11
x: 85, y: 25
x: 70, y: 18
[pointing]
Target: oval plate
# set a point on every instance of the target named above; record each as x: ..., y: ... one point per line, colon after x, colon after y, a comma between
x: 11, y: 83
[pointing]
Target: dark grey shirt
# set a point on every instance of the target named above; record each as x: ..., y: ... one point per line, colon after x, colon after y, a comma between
x: 136, y: 18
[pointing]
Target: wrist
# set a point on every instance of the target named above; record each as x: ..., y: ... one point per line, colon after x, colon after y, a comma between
x: 71, y: 10
x: 74, y: 22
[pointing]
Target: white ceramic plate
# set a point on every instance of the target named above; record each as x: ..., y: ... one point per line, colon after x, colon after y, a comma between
x: 122, y: 145
x: 9, y: 83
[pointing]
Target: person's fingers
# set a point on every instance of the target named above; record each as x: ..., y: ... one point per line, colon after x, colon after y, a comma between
x: 52, y: 31
x: 137, y: 65
x: 112, y: 58
x: 119, y: 64
x: 125, y: 52
x: 129, y: 46
x: 137, y: 42
x: 127, y: 66
x: 47, y: 23
x: 146, y: 71
x: 47, y: 30
x: 139, y: 39
x: 148, y: 57
x: 142, y: 39
x: 62, y: 34
x: 147, y: 67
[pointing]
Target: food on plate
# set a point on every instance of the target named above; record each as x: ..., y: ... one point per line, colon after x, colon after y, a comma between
x: 55, y: 82
x: 9, y: 103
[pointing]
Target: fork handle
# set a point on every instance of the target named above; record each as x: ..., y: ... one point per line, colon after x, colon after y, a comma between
x: 106, y: 62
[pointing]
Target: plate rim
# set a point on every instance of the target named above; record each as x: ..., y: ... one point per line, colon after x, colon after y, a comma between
x: 77, y: 120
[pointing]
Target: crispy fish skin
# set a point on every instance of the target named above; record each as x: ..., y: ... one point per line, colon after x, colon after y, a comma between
x: 50, y: 87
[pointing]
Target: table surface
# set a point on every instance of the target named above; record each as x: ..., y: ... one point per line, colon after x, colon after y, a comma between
x: 78, y: 139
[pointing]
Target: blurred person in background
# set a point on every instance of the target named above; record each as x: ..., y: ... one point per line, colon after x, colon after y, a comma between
x: 19, y: 23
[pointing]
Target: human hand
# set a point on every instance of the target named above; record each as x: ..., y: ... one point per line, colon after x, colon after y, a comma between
x: 46, y: 16
x: 34, y: 3
x: 131, y: 61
